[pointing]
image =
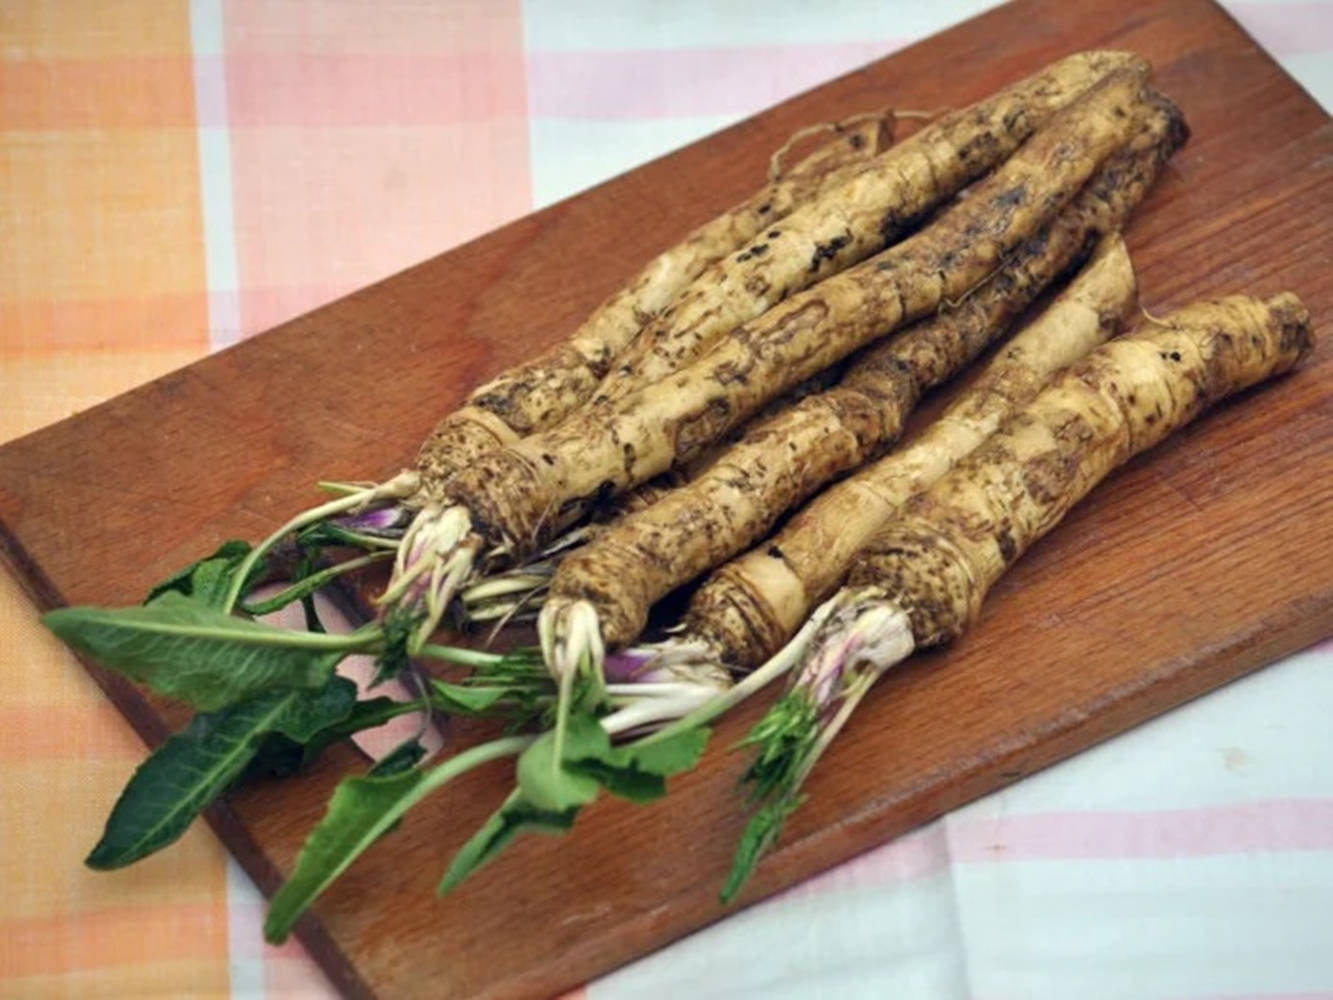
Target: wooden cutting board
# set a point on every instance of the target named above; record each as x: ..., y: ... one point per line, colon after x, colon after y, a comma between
x: 1205, y: 559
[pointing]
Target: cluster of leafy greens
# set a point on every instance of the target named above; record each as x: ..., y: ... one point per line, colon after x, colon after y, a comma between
x: 268, y: 700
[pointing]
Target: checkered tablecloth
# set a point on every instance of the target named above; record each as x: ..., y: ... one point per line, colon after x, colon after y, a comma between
x: 176, y: 174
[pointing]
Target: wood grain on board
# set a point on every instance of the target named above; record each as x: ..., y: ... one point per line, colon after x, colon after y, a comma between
x: 1205, y: 559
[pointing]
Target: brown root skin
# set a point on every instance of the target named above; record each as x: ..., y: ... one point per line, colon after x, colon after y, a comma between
x: 953, y: 542
x: 872, y: 210
x: 739, y: 497
x: 631, y: 565
x: 516, y: 494
x: 749, y: 607
x: 540, y: 392
x: 648, y: 493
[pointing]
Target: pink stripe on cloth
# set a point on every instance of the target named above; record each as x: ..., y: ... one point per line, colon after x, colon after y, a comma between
x: 1287, y: 29
x: 915, y: 855
x: 334, y: 89
x: 664, y: 83
x: 1234, y: 828
x: 321, y: 212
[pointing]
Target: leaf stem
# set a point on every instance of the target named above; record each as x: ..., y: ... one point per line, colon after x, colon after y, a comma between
x: 394, y: 487
x: 459, y: 655
x: 781, y: 662
x: 310, y: 584
x: 562, y: 714
x: 311, y: 877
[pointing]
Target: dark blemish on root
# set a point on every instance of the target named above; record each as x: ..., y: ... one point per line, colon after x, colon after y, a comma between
x: 764, y: 209
x: 857, y: 140
x: 827, y: 251
x: 774, y: 233
x: 888, y: 226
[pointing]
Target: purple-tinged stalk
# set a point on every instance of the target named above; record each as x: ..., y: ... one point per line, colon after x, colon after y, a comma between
x: 400, y: 487
x: 862, y: 635
x: 651, y: 691
x: 364, y: 808
x: 388, y: 522
x: 435, y: 558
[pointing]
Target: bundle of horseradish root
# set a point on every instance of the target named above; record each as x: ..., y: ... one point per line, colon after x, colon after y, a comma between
x: 729, y: 422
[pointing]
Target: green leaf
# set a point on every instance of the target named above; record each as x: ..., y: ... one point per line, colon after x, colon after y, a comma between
x: 637, y: 771
x: 516, y: 816
x: 547, y: 800
x: 556, y: 786
x: 466, y: 699
x: 669, y: 756
x: 308, y: 729
x: 760, y: 833
x: 361, y: 811
x: 185, y: 650
x: 208, y: 580
x: 624, y: 782
x: 192, y: 768
x: 309, y: 715
x: 633, y: 771
x: 326, y: 534
x: 309, y: 579
x: 403, y: 757
x: 785, y: 737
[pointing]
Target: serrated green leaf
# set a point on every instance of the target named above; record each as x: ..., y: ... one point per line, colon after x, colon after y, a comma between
x: 192, y: 768
x: 314, y: 723
x: 760, y: 833
x: 625, y: 782
x: 673, y: 755
x: 466, y: 699
x: 208, y: 580
x: 183, y: 649
x: 637, y: 771
x: 403, y: 757
x: 361, y: 811
x: 634, y: 771
x: 547, y: 800
x: 554, y: 786
x: 516, y: 816
x: 309, y: 579
x: 785, y: 737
